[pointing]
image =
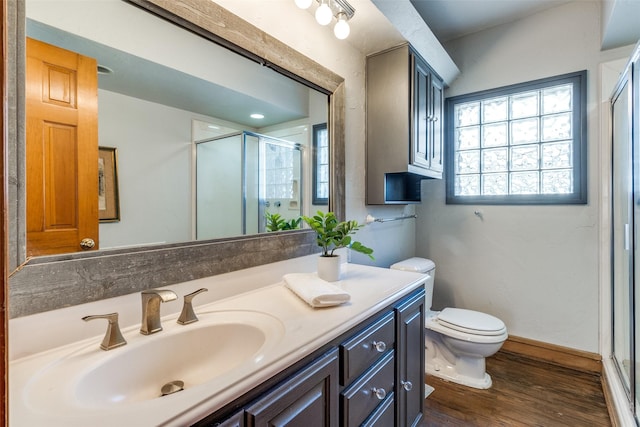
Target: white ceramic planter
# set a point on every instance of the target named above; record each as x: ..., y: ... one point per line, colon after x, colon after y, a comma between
x: 329, y: 268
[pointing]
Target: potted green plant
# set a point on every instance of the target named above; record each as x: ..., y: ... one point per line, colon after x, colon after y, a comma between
x: 275, y: 222
x: 332, y: 234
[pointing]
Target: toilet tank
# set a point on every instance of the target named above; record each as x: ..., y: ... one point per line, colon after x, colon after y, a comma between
x: 424, y: 266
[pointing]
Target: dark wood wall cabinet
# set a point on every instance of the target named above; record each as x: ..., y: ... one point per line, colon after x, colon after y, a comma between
x: 404, y: 126
x: 371, y: 376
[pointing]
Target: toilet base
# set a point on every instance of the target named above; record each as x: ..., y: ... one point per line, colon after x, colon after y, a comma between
x: 462, y: 367
x: 448, y: 374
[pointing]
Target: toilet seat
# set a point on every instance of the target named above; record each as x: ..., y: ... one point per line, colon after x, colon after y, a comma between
x: 471, y: 322
x: 468, y: 325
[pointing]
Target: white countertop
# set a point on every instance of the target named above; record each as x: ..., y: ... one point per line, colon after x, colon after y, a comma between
x: 305, y: 329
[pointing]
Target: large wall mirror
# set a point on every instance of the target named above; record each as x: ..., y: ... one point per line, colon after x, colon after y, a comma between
x: 179, y: 110
x: 180, y: 84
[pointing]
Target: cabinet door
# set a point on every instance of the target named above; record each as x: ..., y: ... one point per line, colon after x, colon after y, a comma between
x: 420, y: 131
x: 436, y: 141
x: 309, y: 398
x: 410, y: 360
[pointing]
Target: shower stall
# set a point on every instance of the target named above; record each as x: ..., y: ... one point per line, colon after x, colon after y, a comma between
x: 242, y: 176
x: 625, y: 231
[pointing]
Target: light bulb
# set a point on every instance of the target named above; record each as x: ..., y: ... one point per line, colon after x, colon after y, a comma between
x: 304, y: 4
x: 324, y: 14
x: 341, y: 30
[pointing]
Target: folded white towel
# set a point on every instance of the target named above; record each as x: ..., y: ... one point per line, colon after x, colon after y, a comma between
x: 315, y: 291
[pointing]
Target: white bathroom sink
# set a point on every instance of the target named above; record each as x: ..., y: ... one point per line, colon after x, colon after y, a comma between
x: 221, y: 345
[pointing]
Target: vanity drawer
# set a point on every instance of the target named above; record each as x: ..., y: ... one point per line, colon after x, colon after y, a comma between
x: 236, y: 420
x: 358, y: 401
x: 384, y: 415
x: 359, y: 352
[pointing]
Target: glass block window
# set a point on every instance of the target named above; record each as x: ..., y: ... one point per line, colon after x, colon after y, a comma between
x: 279, y: 164
x: 521, y: 144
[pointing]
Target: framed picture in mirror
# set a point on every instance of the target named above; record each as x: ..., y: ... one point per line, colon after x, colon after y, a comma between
x: 108, y: 199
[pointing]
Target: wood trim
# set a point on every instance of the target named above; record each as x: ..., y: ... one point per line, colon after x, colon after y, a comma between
x: 566, y: 357
x: 337, y: 196
x: 4, y: 291
x: 555, y: 354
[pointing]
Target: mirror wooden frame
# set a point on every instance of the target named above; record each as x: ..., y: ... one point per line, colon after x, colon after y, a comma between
x: 4, y: 240
x: 46, y: 283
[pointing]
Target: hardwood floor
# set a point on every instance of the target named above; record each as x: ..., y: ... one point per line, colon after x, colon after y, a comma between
x: 525, y: 392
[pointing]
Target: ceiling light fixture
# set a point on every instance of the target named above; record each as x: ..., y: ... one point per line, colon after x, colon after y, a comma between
x: 341, y: 10
x: 257, y: 116
x: 342, y: 29
x: 323, y: 13
x: 304, y: 4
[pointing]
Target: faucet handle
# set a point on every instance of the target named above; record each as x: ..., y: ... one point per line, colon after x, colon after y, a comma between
x: 188, y: 315
x: 113, y: 338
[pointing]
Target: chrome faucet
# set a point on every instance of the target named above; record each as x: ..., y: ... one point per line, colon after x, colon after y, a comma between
x: 151, y: 300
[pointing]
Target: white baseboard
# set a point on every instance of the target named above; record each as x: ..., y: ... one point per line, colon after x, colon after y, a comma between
x: 617, y: 401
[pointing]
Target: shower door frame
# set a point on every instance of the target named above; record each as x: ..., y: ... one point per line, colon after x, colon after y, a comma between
x: 628, y: 245
x: 261, y: 140
x: 301, y: 182
x: 630, y: 81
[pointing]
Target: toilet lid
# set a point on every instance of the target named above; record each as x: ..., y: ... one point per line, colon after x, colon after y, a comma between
x: 471, y: 322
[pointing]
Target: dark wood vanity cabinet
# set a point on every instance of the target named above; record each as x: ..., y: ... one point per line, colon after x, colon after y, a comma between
x: 367, y: 372
x: 236, y: 420
x: 404, y: 112
x: 371, y: 376
x: 382, y: 369
x: 306, y: 399
x: 410, y: 360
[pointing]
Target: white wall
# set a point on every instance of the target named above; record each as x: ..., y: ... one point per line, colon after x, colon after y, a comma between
x: 154, y: 170
x: 391, y: 241
x: 535, y: 267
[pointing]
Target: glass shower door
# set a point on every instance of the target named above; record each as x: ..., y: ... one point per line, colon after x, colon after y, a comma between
x: 622, y: 237
x: 219, y: 207
x: 634, y: 124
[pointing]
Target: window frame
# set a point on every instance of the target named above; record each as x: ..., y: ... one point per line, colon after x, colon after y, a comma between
x: 316, y: 199
x: 580, y: 144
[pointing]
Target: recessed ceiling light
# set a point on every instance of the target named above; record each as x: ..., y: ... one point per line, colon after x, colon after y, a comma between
x: 213, y: 127
x: 257, y: 116
x: 104, y: 70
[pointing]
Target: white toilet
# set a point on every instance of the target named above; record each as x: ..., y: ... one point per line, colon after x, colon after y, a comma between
x: 457, y: 341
